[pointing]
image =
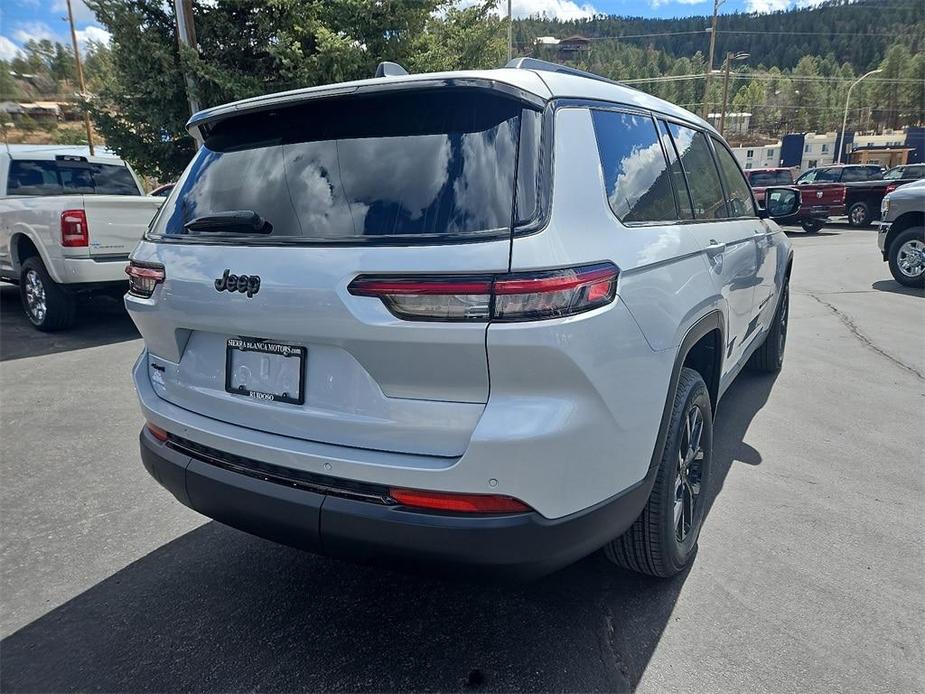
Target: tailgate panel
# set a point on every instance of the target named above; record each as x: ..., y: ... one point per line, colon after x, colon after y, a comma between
x: 117, y: 222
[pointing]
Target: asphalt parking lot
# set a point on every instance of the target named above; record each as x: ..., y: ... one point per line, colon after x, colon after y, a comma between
x: 809, y: 574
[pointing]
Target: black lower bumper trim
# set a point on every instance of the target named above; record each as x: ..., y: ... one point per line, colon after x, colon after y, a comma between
x: 522, y: 545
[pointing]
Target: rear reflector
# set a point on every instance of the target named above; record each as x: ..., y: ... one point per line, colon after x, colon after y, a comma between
x: 143, y: 279
x: 74, y: 231
x: 515, y: 296
x: 157, y: 432
x: 461, y: 503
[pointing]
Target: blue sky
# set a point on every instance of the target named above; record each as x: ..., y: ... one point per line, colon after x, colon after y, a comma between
x: 21, y: 20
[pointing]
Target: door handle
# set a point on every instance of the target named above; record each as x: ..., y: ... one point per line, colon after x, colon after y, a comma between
x: 715, y: 247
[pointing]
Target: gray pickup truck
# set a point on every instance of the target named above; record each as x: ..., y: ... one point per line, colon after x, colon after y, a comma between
x: 901, y: 235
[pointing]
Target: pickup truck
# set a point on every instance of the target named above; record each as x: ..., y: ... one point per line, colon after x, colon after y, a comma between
x: 855, y: 191
x: 813, y: 211
x: 68, y: 222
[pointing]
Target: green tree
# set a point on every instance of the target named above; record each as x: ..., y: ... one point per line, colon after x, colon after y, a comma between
x: 251, y: 47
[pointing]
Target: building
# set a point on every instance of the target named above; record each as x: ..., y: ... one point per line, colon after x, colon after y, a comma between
x: 758, y: 156
x: 735, y: 123
x: 890, y: 148
x: 573, y: 45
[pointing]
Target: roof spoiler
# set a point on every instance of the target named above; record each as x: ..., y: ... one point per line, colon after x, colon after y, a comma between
x: 389, y: 69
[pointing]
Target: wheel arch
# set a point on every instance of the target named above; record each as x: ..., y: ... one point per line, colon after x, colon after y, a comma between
x: 915, y: 218
x: 702, y: 350
x: 23, y: 246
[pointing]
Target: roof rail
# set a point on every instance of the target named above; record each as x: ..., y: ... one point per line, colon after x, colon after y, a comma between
x: 546, y: 66
x: 389, y: 69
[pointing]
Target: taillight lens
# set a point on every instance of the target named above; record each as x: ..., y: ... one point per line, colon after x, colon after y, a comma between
x: 157, y: 432
x: 143, y: 278
x: 74, y: 231
x: 517, y: 296
x: 460, y: 503
x: 890, y: 188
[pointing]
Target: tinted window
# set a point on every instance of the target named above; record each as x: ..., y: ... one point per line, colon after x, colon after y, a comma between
x: 427, y: 164
x: 917, y: 171
x: 702, y: 177
x: 763, y: 179
x: 738, y: 194
x: 45, y: 177
x: 635, y: 170
x: 528, y: 162
x: 677, y: 174
x: 894, y: 173
x: 856, y: 174
x: 828, y: 176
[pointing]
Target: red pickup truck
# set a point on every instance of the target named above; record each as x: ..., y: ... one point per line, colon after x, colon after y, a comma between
x: 816, y: 204
x: 855, y: 191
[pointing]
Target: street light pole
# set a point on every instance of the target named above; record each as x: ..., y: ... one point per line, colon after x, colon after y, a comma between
x: 510, y: 32
x: 186, y: 35
x: 844, y: 123
x: 80, y: 78
x: 706, y: 80
x: 722, y: 114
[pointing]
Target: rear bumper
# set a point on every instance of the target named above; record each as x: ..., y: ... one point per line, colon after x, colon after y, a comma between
x: 522, y: 545
x: 90, y: 271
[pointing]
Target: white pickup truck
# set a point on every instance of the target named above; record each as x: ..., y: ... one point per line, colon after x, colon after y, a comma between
x: 68, y: 222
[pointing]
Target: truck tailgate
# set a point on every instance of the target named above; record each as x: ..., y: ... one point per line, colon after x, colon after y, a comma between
x: 117, y: 222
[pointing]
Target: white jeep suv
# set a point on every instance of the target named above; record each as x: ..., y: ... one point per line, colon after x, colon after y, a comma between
x: 468, y: 319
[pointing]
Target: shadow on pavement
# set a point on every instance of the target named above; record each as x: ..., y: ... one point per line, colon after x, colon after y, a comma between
x: 896, y: 288
x: 218, y: 610
x: 100, y: 321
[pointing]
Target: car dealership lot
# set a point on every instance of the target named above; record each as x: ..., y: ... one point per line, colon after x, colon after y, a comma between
x: 809, y: 574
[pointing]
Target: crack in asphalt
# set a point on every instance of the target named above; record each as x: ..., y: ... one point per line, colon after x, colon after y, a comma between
x: 856, y: 331
x: 610, y: 656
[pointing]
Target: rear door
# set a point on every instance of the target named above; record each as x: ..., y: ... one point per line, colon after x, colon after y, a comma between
x: 314, y: 196
x: 727, y: 236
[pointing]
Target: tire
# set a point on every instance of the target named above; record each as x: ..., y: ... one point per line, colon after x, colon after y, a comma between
x: 811, y: 226
x: 859, y: 215
x: 769, y: 357
x: 656, y: 544
x: 904, y: 266
x: 47, y: 304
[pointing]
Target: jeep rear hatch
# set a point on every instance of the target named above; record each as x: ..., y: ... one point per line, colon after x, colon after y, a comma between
x: 253, y: 322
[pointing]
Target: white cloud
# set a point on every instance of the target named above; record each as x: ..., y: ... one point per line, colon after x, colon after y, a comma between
x: 8, y: 49
x: 659, y: 3
x: 82, y: 13
x: 765, y: 6
x: 92, y: 33
x: 553, y: 9
x: 35, y: 31
x: 558, y: 9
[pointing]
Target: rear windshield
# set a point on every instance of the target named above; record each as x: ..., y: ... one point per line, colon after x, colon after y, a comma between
x: 52, y: 177
x: 763, y: 179
x: 422, y: 165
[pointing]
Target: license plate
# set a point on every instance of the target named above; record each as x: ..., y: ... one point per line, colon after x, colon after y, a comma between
x: 265, y: 370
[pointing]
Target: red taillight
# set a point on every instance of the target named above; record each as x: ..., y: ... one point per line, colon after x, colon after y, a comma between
x: 157, y: 432
x: 510, y: 297
x: 890, y: 188
x: 461, y: 503
x: 142, y: 279
x: 74, y: 231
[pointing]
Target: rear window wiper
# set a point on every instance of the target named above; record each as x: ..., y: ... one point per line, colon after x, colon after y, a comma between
x: 232, y: 222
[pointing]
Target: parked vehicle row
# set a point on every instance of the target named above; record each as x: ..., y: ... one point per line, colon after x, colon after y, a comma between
x: 67, y: 225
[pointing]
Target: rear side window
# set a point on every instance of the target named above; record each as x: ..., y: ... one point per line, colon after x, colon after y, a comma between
x: 857, y: 174
x: 636, y: 173
x: 738, y: 194
x: 677, y: 173
x: 763, y: 179
x: 419, y: 165
x: 917, y: 171
x: 49, y: 177
x: 827, y: 176
x: 702, y: 177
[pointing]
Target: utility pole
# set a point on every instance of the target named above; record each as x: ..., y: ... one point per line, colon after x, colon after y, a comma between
x: 80, y: 78
x: 510, y: 33
x: 186, y: 33
x: 706, y: 81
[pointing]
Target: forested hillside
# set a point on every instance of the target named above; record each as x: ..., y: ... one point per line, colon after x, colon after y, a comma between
x: 858, y: 33
x: 795, y: 76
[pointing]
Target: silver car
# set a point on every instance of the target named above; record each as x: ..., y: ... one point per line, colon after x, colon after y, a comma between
x: 473, y: 320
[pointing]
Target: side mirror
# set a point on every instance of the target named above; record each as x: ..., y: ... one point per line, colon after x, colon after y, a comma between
x: 780, y: 202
